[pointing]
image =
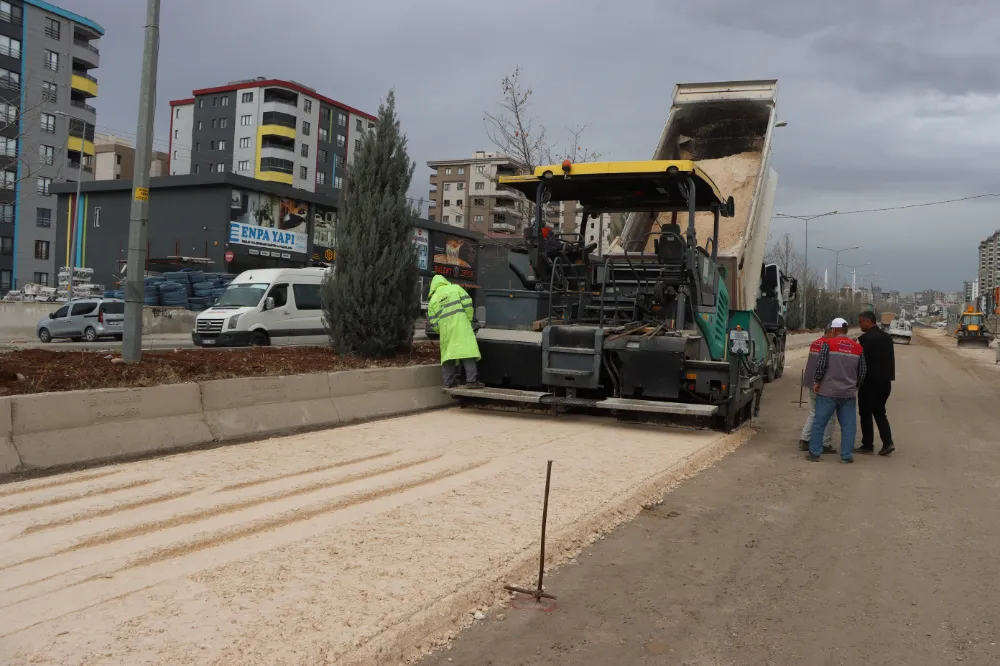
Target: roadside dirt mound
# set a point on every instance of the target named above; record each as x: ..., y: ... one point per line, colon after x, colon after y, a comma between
x: 40, y: 371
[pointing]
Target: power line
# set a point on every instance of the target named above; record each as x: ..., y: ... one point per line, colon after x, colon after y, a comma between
x: 917, y: 205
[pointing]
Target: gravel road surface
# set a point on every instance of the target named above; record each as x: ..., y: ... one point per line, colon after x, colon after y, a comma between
x: 768, y: 559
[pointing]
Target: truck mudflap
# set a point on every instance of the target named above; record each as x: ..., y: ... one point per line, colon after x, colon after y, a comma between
x: 538, y: 399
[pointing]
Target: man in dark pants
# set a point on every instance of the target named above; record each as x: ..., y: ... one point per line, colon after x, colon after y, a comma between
x: 880, y: 361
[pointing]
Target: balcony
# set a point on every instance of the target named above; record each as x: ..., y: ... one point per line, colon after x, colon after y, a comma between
x: 503, y: 228
x: 276, y: 141
x: 74, y: 165
x: 84, y: 84
x: 82, y: 105
x: 15, y: 18
x: 85, y: 54
x: 276, y: 170
x: 281, y: 96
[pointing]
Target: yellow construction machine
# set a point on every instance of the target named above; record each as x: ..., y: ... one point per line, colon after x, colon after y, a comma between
x: 972, y: 329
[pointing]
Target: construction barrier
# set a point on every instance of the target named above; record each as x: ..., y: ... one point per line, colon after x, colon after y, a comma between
x: 50, y: 430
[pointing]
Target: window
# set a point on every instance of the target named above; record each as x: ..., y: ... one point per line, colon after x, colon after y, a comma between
x: 220, y: 167
x: 447, y: 171
x: 8, y: 112
x: 245, y: 142
x: 447, y: 187
x: 306, y: 128
x: 357, y: 144
x: 358, y: 125
x: 481, y: 169
x: 499, y: 218
x: 47, y: 154
x: 197, y: 168
x: 478, y: 219
x: 223, y: 122
x: 199, y: 124
x: 82, y: 309
x: 459, y: 186
x: 458, y: 219
x: 9, y: 79
x: 177, y: 134
x: 211, y: 145
x: 7, y: 212
x: 341, y: 141
x: 461, y: 171
x: 97, y: 216
x: 10, y: 47
x: 479, y: 202
x: 42, y: 250
x: 444, y: 219
x: 320, y: 178
x: 177, y: 113
x: 325, y: 114
x: 197, y: 147
x: 307, y: 297
x: 215, y: 122
x: 446, y: 202
x: 52, y: 28
x: 247, y: 97
x: 51, y: 60
x: 8, y: 179
x: 371, y: 125
x: 246, y: 120
x: 324, y: 135
x: 8, y: 147
x: 175, y: 154
x: 243, y: 165
x: 201, y: 103
x: 211, y: 167
x: 222, y: 145
x: 279, y: 293
x: 338, y: 182
x: 41, y: 278
x: 11, y: 14
x: 342, y: 119
x: 44, y: 185
x: 459, y: 202
x: 304, y: 172
x: 6, y: 245
x: 304, y: 150
x: 323, y: 157
x: 307, y: 105
x: 480, y: 185
x: 338, y: 161
x: 215, y: 101
x: 225, y: 101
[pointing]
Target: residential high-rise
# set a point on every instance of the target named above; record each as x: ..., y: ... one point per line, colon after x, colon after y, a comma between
x: 46, y: 128
x: 269, y: 129
x: 989, y: 262
x: 970, y: 291
x: 468, y: 195
x: 115, y: 159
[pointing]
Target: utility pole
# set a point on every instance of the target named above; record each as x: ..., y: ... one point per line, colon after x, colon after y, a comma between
x: 136, y: 274
x: 77, y: 218
x: 807, y: 219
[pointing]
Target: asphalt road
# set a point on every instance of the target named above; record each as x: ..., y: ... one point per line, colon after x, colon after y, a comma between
x: 769, y: 559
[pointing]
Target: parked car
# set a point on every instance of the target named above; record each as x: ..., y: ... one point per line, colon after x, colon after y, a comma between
x: 269, y: 306
x: 87, y: 319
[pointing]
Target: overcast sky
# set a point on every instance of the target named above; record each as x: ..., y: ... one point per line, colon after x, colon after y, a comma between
x: 889, y: 102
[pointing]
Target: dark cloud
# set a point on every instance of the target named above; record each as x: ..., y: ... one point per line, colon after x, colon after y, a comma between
x: 888, y: 101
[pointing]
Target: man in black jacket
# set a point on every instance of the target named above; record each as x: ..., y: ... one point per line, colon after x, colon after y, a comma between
x: 880, y: 361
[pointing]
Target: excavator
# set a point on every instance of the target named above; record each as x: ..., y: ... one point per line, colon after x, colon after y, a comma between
x: 972, y: 329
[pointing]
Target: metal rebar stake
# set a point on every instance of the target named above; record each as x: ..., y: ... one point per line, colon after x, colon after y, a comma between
x: 537, y: 593
x: 803, y: 378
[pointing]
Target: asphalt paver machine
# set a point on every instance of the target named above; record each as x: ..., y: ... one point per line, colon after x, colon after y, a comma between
x: 645, y: 334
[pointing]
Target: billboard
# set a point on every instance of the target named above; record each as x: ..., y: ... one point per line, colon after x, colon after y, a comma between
x: 324, y: 234
x: 261, y: 220
x: 454, y: 257
x: 421, y: 241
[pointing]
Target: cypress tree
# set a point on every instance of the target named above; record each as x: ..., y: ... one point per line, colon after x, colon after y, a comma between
x: 370, y: 300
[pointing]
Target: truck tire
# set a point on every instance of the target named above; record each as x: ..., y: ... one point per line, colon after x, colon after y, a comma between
x: 780, y: 370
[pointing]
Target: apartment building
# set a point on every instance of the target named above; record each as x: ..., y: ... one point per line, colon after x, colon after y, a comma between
x: 269, y: 129
x: 47, y: 55
x: 989, y: 262
x: 114, y: 159
x: 466, y: 194
x: 970, y: 291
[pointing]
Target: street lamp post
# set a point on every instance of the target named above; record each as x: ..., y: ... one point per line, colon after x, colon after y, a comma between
x: 836, y: 257
x: 807, y: 219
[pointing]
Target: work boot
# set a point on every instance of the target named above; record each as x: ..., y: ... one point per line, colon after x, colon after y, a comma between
x: 886, y: 450
x: 812, y: 458
x: 803, y: 445
x: 475, y: 385
x: 828, y: 448
x: 865, y: 449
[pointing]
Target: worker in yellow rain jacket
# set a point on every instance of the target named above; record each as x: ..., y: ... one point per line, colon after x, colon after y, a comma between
x: 450, y: 313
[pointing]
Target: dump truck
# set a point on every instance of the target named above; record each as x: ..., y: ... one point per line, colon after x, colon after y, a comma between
x: 666, y: 323
x: 886, y: 319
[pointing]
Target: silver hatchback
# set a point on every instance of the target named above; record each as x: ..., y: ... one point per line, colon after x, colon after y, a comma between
x: 85, y: 319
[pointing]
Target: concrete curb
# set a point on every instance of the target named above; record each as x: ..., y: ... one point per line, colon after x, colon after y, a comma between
x: 50, y: 430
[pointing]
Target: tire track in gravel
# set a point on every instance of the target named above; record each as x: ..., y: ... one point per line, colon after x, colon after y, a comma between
x: 72, y: 498
x: 103, y: 513
x: 18, y: 490
x: 311, y: 470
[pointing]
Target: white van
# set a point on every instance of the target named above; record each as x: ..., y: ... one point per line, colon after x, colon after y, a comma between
x: 271, y: 306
